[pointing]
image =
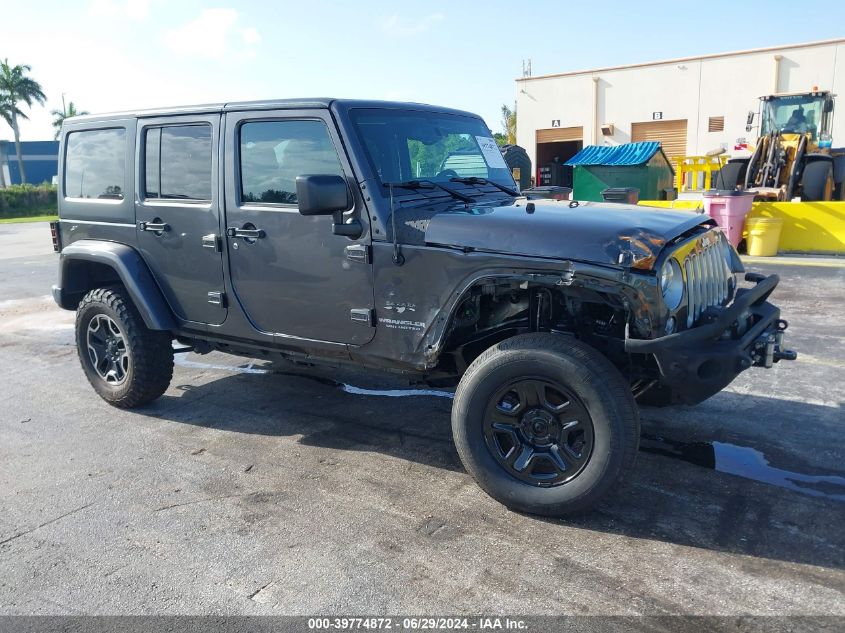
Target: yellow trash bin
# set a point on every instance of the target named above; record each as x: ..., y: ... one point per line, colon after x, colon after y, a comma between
x: 763, y: 236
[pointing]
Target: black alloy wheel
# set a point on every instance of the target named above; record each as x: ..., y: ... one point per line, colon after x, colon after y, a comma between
x: 545, y: 424
x: 106, y: 345
x: 539, y: 431
x: 127, y: 363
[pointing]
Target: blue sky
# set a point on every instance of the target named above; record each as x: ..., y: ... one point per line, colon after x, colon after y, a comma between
x: 118, y: 54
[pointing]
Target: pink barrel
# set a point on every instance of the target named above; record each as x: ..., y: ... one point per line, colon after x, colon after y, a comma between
x: 729, y: 209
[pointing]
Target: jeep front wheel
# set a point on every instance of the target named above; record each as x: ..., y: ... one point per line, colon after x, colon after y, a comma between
x: 127, y: 363
x: 545, y: 424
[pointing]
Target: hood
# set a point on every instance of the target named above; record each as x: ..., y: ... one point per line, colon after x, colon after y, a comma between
x: 596, y: 232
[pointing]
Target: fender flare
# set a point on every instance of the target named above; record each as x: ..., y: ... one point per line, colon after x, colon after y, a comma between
x: 130, y: 268
x: 815, y: 158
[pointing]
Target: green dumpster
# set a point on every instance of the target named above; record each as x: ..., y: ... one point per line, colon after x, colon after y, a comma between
x: 641, y: 166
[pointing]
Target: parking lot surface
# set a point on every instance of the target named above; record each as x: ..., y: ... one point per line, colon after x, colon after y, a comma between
x: 252, y: 488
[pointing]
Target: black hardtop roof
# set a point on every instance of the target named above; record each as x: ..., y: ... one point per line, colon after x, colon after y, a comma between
x: 271, y: 104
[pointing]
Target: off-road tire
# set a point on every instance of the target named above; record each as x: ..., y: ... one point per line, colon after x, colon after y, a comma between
x: 814, y: 181
x: 731, y: 175
x: 593, y: 380
x: 150, y: 364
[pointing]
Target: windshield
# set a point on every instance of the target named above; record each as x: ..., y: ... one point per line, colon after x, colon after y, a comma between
x: 404, y: 145
x: 796, y: 114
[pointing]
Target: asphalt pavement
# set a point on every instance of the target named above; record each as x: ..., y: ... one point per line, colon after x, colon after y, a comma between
x: 252, y: 488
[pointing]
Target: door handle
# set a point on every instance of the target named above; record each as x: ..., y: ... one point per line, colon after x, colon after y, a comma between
x: 155, y: 227
x: 249, y: 234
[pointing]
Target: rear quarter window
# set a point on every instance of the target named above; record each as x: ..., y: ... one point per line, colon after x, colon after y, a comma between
x: 95, y: 164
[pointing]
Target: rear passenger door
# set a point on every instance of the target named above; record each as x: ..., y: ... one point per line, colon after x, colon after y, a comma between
x: 178, y: 213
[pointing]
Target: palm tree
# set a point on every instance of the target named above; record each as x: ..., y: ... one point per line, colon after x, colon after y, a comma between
x: 16, y: 87
x: 509, y: 124
x: 5, y: 111
x: 66, y: 112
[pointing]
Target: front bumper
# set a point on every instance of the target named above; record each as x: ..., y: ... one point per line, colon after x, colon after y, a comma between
x: 697, y: 363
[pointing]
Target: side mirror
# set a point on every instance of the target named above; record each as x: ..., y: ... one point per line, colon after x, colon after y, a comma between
x: 322, y: 194
x: 750, y: 119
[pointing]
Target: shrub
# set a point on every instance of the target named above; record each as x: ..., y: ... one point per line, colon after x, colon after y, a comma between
x: 23, y: 200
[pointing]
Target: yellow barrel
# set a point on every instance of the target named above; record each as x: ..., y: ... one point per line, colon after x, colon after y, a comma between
x: 763, y: 236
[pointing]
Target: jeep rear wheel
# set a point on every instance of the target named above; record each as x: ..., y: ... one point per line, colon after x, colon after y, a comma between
x: 127, y: 363
x: 545, y: 424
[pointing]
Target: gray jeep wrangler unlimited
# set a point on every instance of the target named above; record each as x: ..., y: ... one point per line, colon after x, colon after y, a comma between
x: 391, y: 236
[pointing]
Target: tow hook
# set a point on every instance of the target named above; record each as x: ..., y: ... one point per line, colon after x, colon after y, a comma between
x: 769, y: 348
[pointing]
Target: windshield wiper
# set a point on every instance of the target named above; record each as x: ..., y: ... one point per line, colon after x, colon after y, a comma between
x: 483, y: 181
x: 429, y: 184
x: 398, y: 257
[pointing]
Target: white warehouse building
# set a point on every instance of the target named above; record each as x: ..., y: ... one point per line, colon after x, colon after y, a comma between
x: 692, y: 105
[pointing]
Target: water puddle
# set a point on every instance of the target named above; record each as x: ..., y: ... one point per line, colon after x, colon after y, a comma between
x: 359, y: 391
x: 395, y: 393
x: 237, y: 369
x: 723, y: 457
x: 746, y: 462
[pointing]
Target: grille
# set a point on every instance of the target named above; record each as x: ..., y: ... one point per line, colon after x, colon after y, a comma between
x: 709, y: 278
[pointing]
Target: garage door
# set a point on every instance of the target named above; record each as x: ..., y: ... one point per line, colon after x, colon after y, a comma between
x: 671, y: 134
x: 558, y: 134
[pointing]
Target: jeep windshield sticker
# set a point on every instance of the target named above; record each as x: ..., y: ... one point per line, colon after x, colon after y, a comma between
x: 491, y: 152
x: 401, y: 324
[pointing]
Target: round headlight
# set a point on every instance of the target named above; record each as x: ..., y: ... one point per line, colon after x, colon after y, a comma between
x: 672, y: 284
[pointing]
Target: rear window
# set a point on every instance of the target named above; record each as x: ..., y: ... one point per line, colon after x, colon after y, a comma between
x: 95, y: 164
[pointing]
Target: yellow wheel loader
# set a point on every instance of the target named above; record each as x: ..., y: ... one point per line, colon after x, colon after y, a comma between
x: 793, y: 155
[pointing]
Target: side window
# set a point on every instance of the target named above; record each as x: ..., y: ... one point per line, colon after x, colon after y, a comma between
x: 274, y: 153
x: 177, y: 162
x: 95, y: 164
